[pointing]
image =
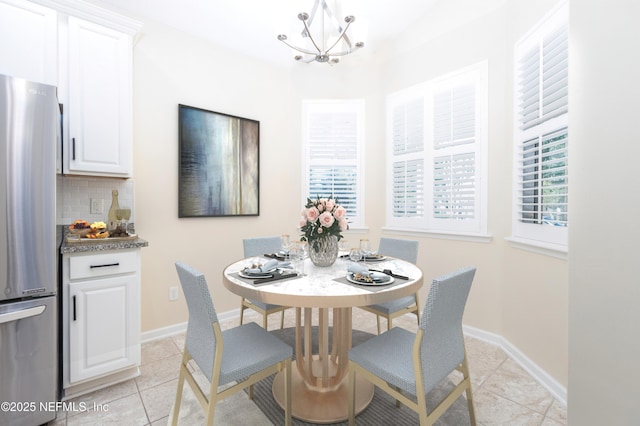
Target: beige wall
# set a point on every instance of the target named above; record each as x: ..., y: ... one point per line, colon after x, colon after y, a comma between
x: 171, y: 68
x: 604, y: 314
x: 519, y: 295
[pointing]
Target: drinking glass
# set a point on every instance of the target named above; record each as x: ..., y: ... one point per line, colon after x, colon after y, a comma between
x: 365, y: 248
x: 286, y: 244
x: 343, y: 247
x: 355, y: 255
x: 123, y: 215
x: 297, y: 256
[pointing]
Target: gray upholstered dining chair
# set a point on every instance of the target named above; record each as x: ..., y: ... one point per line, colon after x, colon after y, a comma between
x: 235, y: 358
x: 405, y: 250
x: 258, y: 247
x: 409, y: 365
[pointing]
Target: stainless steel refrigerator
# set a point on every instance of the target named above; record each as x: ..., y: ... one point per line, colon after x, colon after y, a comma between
x: 28, y: 260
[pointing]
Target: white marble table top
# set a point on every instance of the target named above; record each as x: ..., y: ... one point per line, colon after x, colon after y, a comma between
x: 318, y: 289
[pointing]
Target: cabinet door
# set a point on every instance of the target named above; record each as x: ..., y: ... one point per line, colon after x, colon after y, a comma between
x: 104, y: 326
x: 100, y: 111
x: 28, y: 41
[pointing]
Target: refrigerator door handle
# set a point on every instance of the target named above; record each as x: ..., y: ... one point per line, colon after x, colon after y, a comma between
x: 24, y: 313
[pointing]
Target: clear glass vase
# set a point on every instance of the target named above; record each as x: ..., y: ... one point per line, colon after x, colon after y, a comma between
x: 324, y: 251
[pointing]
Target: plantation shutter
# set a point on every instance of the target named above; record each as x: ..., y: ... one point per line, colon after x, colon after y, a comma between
x: 543, y: 198
x: 332, y: 136
x: 437, y: 148
x: 408, y: 162
x: 542, y: 133
x: 454, y: 162
x: 544, y: 77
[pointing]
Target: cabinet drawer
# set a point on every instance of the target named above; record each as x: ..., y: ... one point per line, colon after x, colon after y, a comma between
x: 99, y: 265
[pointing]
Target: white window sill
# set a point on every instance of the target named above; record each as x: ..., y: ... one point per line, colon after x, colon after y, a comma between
x: 457, y: 236
x: 546, y: 249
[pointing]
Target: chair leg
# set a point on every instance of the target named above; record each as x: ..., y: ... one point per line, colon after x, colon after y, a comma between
x: 389, y: 323
x: 378, y: 320
x: 176, y: 404
x: 211, y: 410
x: 242, y: 307
x: 265, y: 322
x: 250, y: 392
x: 466, y: 376
x: 282, y: 320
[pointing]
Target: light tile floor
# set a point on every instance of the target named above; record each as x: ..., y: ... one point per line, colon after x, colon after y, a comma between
x: 504, y: 393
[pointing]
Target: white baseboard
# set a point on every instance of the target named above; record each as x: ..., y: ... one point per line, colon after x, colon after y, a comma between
x: 171, y: 330
x: 552, y: 385
x: 556, y: 389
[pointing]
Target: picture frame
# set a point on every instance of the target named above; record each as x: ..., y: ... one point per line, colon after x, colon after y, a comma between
x: 219, y: 164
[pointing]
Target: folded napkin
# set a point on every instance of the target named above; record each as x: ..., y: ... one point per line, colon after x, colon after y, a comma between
x: 268, y: 266
x: 358, y: 268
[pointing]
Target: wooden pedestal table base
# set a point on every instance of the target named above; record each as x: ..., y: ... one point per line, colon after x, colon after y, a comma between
x: 319, y: 385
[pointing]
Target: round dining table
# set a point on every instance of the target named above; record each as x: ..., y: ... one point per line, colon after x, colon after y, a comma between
x: 323, y: 298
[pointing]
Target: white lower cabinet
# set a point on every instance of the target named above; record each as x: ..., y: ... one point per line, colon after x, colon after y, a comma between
x: 101, y: 319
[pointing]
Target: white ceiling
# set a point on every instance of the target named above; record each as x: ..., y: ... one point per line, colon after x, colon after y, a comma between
x: 249, y: 26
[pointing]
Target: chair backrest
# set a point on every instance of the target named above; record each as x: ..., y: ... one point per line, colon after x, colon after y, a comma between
x: 402, y: 249
x: 201, y: 339
x: 261, y: 245
x: 442, y: 343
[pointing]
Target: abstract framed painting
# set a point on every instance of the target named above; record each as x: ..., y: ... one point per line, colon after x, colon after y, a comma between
x: 219, y: 164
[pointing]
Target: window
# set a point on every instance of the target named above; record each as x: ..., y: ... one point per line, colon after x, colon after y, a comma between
x: 333, y: 137
x: 437, y: 136
x: 540, y: 211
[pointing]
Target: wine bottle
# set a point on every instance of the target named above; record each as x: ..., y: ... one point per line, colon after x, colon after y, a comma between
x: 112, y: 220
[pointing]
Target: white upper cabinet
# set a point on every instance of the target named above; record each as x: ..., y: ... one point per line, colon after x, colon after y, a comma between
x: 100, y: 100
x: 28, y: 41
x: 86, y: 51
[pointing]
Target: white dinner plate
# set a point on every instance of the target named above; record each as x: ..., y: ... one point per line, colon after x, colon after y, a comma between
x: 254, y: 276
x: 375, y: 258
x: 353, y: 280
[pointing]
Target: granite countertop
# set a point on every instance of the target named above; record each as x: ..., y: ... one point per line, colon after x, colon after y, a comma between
x: 98, y: 245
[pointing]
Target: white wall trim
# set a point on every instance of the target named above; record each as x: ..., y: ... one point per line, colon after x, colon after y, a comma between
x: 552, y: 385
x: 172, y: 330
x: 556, y: 389
x: 442, y: 235
x: 546, y: 249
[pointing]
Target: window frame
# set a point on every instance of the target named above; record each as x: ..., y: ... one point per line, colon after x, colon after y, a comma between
x: 357, y: 106
x: 543, y: 238
x: 475, y: 229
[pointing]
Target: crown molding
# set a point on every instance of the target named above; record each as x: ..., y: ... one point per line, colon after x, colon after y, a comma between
x: 91, y: 12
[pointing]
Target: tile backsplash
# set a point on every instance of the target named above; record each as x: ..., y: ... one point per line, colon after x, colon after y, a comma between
x: 74, y: 195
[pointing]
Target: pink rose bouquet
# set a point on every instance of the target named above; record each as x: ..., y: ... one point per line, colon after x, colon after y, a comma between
x: 322, y: 218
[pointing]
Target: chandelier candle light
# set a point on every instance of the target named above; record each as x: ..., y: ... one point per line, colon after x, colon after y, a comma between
x: 321, y: 39
x: 322, y: 222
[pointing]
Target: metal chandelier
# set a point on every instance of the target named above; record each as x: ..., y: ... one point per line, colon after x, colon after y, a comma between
x: 321, y: 39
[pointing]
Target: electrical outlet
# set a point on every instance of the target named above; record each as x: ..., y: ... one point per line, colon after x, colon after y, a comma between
x: 97, y: 206
x: 173, y: 293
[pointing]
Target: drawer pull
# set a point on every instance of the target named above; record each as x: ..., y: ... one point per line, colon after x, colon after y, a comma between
x: 105, y: 265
